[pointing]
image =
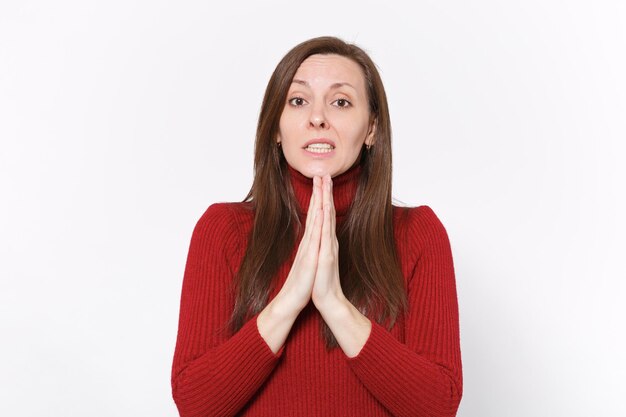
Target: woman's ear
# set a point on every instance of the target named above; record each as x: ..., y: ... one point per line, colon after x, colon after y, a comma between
x: 371, y: 134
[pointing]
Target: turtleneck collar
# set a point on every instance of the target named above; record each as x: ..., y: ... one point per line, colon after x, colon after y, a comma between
x: 344, y: 189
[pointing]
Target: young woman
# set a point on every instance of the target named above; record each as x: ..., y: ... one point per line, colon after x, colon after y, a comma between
x: 315, y: 296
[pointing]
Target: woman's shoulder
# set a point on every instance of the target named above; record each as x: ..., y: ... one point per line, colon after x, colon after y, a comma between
x: 422, y: 212
x: 226, y: 209
x: 224, y: 216
x: 420, y: 221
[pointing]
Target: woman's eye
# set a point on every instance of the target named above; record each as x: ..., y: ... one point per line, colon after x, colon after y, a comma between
x: 342, y: 103
x: 296, y: 101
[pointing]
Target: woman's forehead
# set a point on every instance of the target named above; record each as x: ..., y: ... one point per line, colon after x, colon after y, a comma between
x: 325, y: 70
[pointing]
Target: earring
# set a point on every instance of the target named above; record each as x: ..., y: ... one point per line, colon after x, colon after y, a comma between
x: 368, y: 147
x: 278, y: 144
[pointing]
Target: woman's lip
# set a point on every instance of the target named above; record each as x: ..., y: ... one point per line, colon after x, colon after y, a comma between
x: 320, y: 155
x: 320, y: 140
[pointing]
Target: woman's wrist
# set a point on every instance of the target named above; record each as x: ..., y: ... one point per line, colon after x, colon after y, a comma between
x: 274, y: 323
x: 349, y: 326
x: 332, y: 303
x: 285, y: 307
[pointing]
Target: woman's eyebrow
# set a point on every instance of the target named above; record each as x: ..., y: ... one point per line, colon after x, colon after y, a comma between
x: 335, y: 85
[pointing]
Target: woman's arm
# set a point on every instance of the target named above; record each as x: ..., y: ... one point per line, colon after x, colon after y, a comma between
x: 421, y: 377
x: 215, y: 373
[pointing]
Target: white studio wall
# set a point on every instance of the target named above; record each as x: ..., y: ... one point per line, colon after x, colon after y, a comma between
x: 122, y: 121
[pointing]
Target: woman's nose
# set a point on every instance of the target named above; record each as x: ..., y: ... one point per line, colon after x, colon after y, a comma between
x: 318, y: 118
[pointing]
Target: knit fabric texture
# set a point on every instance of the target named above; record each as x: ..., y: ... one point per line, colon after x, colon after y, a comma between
x: 414, y: 369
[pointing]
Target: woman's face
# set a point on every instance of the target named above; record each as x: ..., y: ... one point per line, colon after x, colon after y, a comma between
x: 326, y: 119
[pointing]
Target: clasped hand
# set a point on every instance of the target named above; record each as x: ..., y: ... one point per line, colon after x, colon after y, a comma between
x: 314, y: 274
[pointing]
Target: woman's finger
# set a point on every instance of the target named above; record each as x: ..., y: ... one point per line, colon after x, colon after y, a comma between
x: 312, y: 203
x: 333, y: 213
x: 327, y: 225
x: 316, y: 234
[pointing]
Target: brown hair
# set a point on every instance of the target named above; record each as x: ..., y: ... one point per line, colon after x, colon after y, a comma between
x: 370, y: 273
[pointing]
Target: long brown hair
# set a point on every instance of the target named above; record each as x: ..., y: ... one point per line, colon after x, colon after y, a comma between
x: 370, y: 273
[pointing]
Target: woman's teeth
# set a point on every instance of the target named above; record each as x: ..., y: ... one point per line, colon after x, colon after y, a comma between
x: 319, y: 148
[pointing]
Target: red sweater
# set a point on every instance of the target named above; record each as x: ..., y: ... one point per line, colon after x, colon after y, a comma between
x: 412, y: 370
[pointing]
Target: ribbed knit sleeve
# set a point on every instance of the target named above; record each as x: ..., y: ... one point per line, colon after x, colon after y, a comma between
x: 422, y: 376
x: 215, y: 373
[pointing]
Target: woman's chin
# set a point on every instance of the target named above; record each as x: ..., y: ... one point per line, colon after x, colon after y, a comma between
x: 316, y: 169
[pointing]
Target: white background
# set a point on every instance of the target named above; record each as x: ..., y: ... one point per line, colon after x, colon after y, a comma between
x: 121, y: 121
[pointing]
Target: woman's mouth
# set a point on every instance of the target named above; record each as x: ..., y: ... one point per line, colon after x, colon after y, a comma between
x: 320, y: 148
